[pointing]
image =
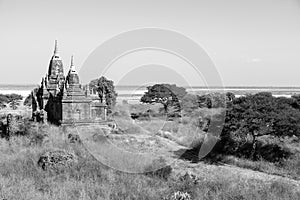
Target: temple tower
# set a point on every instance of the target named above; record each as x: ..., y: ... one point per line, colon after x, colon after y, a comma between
x: 55, y: 72
x: 76, y: 107
x: 63, y: 100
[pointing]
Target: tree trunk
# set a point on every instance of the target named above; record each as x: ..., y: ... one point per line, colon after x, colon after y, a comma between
x: 253, y: 150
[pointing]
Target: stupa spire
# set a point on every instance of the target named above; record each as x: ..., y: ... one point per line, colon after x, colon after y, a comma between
x: 72, y: 61
x: 72, y: 77
x: 72, y: 67
x: 56, y: 52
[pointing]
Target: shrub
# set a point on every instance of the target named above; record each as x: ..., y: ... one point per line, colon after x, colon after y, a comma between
x: 180, y: 196
x: 56, y: 160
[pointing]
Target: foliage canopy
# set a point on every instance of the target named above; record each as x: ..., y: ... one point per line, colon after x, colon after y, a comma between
x: 166, y: 94
x: 105, y: 89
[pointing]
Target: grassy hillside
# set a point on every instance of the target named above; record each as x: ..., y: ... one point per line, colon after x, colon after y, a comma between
x: 22, y: 178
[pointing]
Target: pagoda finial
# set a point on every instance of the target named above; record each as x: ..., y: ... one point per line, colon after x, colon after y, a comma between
x: 72, y: 67
x: 72, y: 61
x: 56, y: 48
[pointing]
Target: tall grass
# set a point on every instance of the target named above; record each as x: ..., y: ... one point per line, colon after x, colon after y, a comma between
x: 21, y: 177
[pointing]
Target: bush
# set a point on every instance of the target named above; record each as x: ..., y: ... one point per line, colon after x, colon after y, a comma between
x: 179, y: 196
x: 56, y: 160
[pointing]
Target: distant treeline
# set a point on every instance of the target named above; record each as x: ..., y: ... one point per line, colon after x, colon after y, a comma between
x: 11, y: 99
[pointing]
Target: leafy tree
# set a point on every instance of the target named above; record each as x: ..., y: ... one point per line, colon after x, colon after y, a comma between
x: 12, y: 99
x: 296, y: 101
x: 249, y: 116
x: 28, y: 101
x: 204, y: 101
x: 287, y: 118
x: 253, y: 116
x: 105, y: 89
x: 14, y: 104
x: 4, y: 98
x: 212, y: 100
x: 3, y: 101
x: 2, y: 105
x: 93, y: 85
x: 13, y: 96
x: 230, y: 96
x: 165, y: 94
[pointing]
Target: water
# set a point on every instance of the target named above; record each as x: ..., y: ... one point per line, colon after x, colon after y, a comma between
x: 134, y: 93
x: 23, y: 90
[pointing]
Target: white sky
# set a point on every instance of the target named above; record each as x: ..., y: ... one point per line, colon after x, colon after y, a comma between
x: 252, y: 42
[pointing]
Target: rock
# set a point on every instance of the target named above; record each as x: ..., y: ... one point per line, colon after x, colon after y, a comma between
x: 74, y: 138
x: 57, y: 159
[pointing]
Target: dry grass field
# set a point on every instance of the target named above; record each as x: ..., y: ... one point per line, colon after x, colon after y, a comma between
x: 22, y: 178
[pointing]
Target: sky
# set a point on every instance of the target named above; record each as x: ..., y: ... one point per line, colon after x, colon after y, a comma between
x: 251, y: 42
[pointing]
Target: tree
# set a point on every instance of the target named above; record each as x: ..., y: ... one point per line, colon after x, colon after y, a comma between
x: 2, y: 105
x: 230, y: 96
x: 3, y: 101
x: 28, y: 101
x: 204, y: 101
x: 296, y: 101
x: 212, y: 100
x: 250, y: 116
x: 286, y: 121
x: 12, y: 99
x: 14, y: 104
x: 13, y: 96
x: 4, y: 98
x: 165, y: 94
x: 105, y: 89
x: 253, y: 116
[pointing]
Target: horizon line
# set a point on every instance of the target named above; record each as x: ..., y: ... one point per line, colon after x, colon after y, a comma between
x: 200, y: 86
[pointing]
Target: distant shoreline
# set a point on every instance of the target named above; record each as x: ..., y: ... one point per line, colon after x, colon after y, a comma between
x: 134, y: 93
x: 4, y: 86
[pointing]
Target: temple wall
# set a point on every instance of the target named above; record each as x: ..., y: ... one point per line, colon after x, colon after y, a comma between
x: 76, y: 111
x: 98, y: 113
